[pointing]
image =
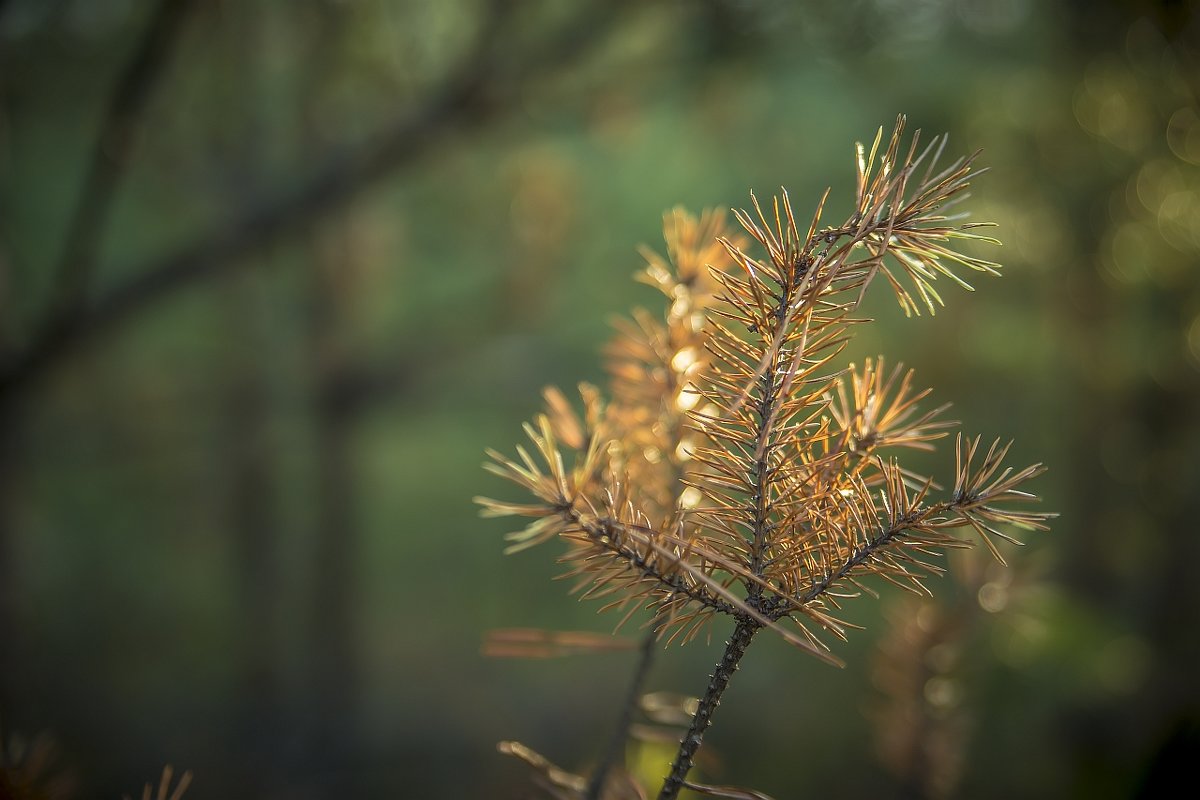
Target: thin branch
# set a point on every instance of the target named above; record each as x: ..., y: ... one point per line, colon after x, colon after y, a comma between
x: 863, y: 554
x: 114, y: 141
x: 735, y: 648
x: 480, y: 90
x: 608, y: 533
x: 614, y: 750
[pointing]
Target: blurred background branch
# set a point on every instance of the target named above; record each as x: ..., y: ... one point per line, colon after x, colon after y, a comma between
x: 480, y: 88
x: 113, y: 148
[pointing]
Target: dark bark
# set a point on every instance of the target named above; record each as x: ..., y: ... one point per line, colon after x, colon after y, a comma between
x: 735, y: 648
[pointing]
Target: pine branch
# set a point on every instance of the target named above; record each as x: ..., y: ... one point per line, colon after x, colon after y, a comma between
x: 672, y: 581
x: 796, y: 494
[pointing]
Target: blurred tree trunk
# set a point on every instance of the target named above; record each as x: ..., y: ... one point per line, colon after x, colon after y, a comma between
x: 10, y: 642
x: 8, y: 431
x: 1169, y: 595
x: 12, y: 420
x: 252, y: 471
x: 332, y: 649
x: 255, y: 529
x: 332, y: 696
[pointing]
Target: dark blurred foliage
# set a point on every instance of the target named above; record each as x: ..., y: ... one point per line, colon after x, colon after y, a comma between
x: 273, y: 274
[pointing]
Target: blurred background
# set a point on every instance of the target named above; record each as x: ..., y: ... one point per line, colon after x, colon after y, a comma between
x: 273, y: 274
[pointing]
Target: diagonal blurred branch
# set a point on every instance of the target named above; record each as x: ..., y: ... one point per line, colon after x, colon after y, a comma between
x: 614, y: 749
x: 110, y: 153
x: 480, y: 90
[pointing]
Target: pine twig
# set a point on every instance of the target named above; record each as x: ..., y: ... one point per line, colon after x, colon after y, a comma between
x: 735, y: 648
x: 792, y: 497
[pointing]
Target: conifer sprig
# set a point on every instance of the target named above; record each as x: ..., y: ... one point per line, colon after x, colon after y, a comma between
x: 740, y: 471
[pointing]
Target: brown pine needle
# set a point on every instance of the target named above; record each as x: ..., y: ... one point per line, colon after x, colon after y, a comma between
x: 537, y: 643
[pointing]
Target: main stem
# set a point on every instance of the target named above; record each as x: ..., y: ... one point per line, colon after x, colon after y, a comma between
x: 735, y: 648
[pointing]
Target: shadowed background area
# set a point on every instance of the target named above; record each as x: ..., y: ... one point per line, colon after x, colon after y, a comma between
x: 273, y: 275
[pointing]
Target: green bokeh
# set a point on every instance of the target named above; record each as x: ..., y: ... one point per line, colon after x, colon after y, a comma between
x: 491, y: 265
